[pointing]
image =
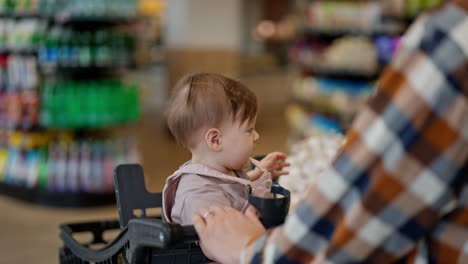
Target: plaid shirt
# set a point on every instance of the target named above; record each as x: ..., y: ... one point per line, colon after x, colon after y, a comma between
x: 398, y: 188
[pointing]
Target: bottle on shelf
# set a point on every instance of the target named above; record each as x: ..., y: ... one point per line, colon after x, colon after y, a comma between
x: 97, y: 179
x: 102, y: 51
x: 85, y: 166
x: 43, y: 174
x: 84, y: 40
x: 108, y: 165
x: 73, y: 182
x: 3, y: 163
x: 32, y: 165
x: 61, y: 167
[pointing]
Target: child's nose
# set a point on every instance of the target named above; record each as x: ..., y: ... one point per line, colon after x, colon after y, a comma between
x: 256, y: 136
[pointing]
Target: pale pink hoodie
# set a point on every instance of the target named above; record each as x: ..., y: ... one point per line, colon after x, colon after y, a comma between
x: 196, y: 186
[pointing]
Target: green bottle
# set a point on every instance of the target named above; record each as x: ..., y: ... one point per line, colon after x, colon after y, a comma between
x: 10, y: 5
x: 59, y: 105
x: 106, y: 104
x: 81, y: 105
x: 102, y: 50
x: 65, y: 105
x: 64, y: 48
x: 53, y: 46
x: 85, y: 49
x: 75, y: 50
x: 45, y: 115
x: 42, y: 179
x: 75, y: 106
x: 93, y: 107
x: 121, y: 98
x: 52, y: 106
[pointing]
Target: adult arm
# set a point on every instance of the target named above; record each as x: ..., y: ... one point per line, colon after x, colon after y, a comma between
x: 400, y: 167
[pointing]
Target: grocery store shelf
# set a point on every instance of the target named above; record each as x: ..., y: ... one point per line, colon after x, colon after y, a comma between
x: 312, y: 31
x: 57, y: 46
x: 407, y: 20
x: 23, y: 127
x: 84, y: 72
x: 340, y: 73
x: 323, y: 108
x: 20, y: 15
x: 12, y: 50
x: 305, y: 123
x: 58, y: 199
x: 93, y: 21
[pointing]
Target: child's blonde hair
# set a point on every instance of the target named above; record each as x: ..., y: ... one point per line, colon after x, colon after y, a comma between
x: 206, y: 100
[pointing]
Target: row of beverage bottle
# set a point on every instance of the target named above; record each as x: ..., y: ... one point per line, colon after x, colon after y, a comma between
x: 21, y: 34
x: 64, y: 46
x: 81, y: 8
x: 18, y: 72
x: 84, y: 166
x: 95, y: 104
x: 101, y: 8
x: 19, y: 96
x: 23, y: 6
x: 70, y: 105
x: 70, y: 48
x: 19, y: 109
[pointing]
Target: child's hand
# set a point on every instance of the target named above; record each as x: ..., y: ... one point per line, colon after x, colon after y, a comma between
x: 274, y: 163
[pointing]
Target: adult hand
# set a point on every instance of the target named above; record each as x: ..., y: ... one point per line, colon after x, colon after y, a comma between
x: 224, y: 231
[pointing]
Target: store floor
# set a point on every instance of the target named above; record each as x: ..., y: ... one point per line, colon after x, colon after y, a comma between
x: 29, y: 233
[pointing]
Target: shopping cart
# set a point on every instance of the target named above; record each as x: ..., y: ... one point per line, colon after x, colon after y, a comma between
x: 143, y: 238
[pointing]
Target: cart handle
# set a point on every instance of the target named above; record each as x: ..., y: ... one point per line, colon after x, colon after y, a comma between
x: 140, y: 232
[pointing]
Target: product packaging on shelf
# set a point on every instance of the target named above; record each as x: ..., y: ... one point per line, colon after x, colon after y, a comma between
x: 84, y: 166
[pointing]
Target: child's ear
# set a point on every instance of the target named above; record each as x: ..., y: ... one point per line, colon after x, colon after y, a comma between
x: 213, y: 139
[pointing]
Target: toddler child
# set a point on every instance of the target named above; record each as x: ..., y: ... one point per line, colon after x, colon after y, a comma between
x: 214, y: 118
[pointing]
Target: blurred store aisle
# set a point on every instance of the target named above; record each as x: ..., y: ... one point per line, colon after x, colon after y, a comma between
x: 30, y: 234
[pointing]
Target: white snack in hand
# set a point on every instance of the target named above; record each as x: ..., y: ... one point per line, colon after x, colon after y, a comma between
x: 309, y: 159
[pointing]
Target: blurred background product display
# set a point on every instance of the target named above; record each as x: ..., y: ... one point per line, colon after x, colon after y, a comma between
x: 84, y: 83
x: 340, y: 50
x: 77, y: 75
x: 309, y: 158
x: 61, y: 94
x: 73, y: 72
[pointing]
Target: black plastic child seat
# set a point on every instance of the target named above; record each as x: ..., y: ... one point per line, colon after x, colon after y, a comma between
x: 149, y: 240
x: 131, y: 195
x: 141, y: 240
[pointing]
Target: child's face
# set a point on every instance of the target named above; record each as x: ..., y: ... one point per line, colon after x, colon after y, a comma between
x: 238, y: 143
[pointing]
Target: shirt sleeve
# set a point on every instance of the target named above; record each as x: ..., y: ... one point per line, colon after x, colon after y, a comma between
x: 203, y: 197
x: 262, y: 186
x: 401, y: 165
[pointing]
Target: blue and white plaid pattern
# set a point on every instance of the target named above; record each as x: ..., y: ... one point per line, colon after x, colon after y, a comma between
x: 398, y: 188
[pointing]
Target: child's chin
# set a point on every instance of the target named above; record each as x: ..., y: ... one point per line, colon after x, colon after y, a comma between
x: 246, y: 165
